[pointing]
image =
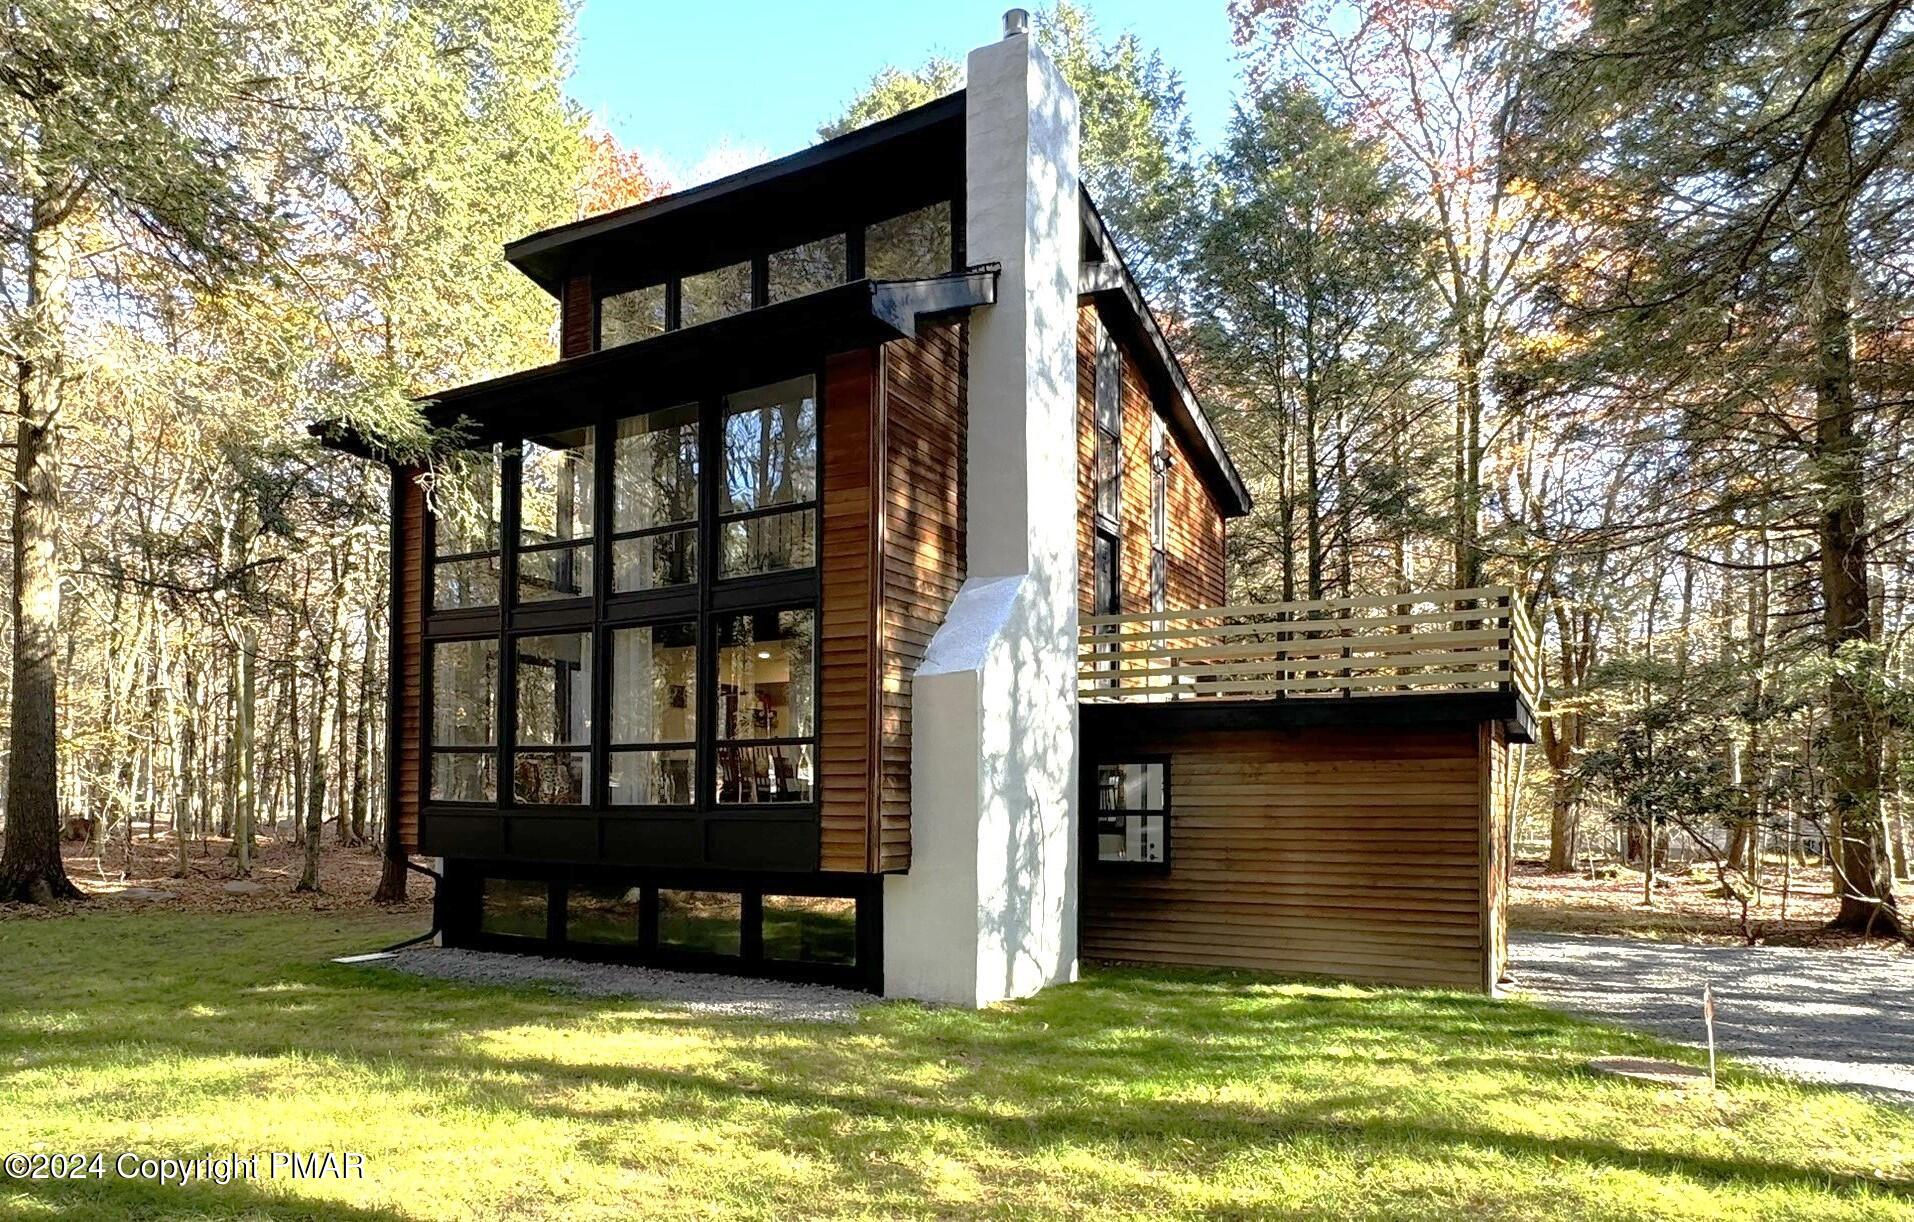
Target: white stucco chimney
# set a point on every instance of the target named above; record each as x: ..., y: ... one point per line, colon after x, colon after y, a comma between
x: 989, y: 908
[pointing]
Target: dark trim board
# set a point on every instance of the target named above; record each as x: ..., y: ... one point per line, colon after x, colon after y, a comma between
x: 1106, y: 727
x: 457, y: 913
x: 773, y: 838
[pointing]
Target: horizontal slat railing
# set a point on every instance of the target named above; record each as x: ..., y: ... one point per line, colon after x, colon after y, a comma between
x: 1438, y: 640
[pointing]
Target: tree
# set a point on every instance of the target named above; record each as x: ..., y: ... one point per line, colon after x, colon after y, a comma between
x: 1738, y: 187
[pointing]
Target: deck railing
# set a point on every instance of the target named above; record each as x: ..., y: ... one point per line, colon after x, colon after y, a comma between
x: 1426, y: 641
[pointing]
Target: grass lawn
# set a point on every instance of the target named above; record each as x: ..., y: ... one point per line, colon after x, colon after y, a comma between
x: 1133, y: 1092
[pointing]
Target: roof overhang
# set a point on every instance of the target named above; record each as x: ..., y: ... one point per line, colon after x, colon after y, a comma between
x: 865, y: 175
x: 761, y: 342
x: 1108, y: 282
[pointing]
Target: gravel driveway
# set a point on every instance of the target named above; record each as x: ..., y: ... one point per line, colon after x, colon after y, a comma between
x: 1842, y: 1016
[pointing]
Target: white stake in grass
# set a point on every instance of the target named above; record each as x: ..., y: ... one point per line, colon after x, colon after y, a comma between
x: 1708, y: 1019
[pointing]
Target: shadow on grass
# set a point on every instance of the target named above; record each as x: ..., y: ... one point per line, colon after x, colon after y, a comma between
x: 1129, y: 1061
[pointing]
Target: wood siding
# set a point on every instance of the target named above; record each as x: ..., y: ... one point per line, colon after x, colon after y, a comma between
x: 1194, y: 574
x: 1497, y: 783
x: 923, y: 417
x: 577, y: 331
x: 1341, y: 852
x: 847, y: 637
x: 409, y: 539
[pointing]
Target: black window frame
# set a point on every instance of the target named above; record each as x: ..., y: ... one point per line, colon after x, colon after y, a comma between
x: 1093, y: 791
x: 706, y: 601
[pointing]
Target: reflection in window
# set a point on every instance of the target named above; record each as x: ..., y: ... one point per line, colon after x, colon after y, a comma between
x: 807, y: 268
x: 552, y: 682
x: 464, y: 499
x: 770, y: 462
x: 1132, y: 813
x: 655, y: 500
x: 704, y: 922
x: 555, y: 516
x: 602, y: 915
x: 714, y: 294
x: 810, y: 928
x: 626, y: 317
x: 909, y: 247
x: 765, y: 716
x: 464, y: 680
x: 514, y: 907
x: 654, y: 714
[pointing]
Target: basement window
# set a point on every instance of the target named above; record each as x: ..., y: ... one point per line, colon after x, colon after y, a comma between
x: 1133, y: 813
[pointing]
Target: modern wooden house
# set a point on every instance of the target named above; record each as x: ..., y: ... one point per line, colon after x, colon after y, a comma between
x: 849, y: 602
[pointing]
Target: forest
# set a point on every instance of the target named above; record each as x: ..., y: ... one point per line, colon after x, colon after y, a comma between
x: 1609, y: 302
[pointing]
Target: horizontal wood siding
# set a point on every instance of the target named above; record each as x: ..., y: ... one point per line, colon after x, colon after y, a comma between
x: 1328, y: 851
x: 410, y: 540
x: 847, y: 635
x: 1194, y: 574
x: 575, y: 325
x: 1495, y: 855
x: 921, y: 541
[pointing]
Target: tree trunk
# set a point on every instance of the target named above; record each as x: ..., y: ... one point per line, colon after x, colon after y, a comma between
x: 245, y: 797
x: 30, y: 865
x: 1853, y: 761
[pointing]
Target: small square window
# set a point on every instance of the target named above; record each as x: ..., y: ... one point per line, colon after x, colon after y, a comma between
x: 602, y: 915
x: 1132, y: 816
x: 714, y: 294
x: 514, y: 907
x: 701, y: 922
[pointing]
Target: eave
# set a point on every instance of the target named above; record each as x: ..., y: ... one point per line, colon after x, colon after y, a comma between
x: 861, y: 314
x: 1109, y: 283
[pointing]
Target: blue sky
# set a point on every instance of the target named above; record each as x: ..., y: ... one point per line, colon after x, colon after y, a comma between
x: 705, y: 87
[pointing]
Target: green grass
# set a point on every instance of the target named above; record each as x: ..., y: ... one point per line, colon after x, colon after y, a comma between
x: 1133, y: 1092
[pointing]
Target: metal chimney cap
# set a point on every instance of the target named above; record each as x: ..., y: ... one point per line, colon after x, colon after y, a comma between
x: 1016, y: 21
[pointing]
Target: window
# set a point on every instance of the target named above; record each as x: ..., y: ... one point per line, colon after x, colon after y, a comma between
x: 654, y: 714
x: 602, y: 915
x: 464, y: 757
x: 1132, y: 825
x: 714, y: 294
x: 654, y: 501
x: 465, y: 507
x: 1161, y: 458
x: 768, y: 511
x: 1108, y: 475
x: 701, y: 922
x: 514, y: 907
x: 626, y: 317
x: 765, y: 721
x: 810, y: 928
x: 555, y: 489
x: 909, y: 247
x: 805, y: 269
x: 551, y: 762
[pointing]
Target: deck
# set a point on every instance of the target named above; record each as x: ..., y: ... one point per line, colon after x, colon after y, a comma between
x: 1437, y: 641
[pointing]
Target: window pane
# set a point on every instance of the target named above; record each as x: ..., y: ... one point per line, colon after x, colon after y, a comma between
x: 1109, y: 476
x: 465, y: 693
x: 654, y: 687
x: 625, y: 317
x: 553, y: 678
x: 654, y: 562
x: 555, y: 487
x: 654, y: 469
x: 514, y: 907
x: 765, y: 772
x: 553, y: 573
x: 652, y: 778
x: 714, y: 294
x: 464, y: 499
x: 464, y: 776
x: 770, y: 446
x: 1130, y: 786
x: 465, y: 583
x: 551, y: 778
x: 1105, y: 595
x: 909, y: 247
x: 771, y: 543
x: 810, y: 928
x: 606, y: 916
x: 807, y: 268
x: 710, y: 922
x: 765, y: 675
x: 1134, y: 838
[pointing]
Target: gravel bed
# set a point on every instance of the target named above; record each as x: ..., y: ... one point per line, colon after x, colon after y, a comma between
x: 1840, y: 1016
x: 698, y: 992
